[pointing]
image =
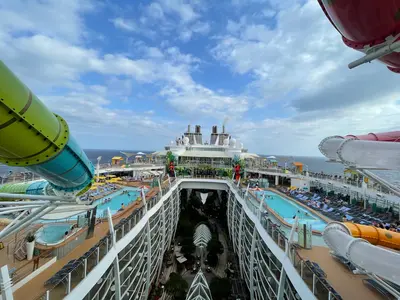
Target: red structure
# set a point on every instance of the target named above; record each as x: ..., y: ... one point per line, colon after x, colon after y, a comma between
x: 237, y: 172
x: 364, y: 23
x: 393, y: 136
x: 171, y: 169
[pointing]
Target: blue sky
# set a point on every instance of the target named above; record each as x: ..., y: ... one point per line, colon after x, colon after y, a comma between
x: 133, y: 74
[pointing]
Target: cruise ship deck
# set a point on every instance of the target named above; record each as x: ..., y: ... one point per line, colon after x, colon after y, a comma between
x: 245, y: 222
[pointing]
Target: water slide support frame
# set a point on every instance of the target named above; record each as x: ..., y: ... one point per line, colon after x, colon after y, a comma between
x: 378, y: 51
x: 43, y: 205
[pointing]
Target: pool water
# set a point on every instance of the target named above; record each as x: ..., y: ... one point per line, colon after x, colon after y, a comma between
x: 52, y: 234
x: 287, y: 209
x: 124, y: 196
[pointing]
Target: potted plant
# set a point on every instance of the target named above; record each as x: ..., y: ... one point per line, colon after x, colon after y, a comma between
x: 30, y: 245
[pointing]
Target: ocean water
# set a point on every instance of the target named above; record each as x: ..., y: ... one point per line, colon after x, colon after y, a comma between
x: 92, y: 154
x: 315, y: 164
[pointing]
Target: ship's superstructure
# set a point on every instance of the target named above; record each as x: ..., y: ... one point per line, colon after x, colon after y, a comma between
x: 221, y: 151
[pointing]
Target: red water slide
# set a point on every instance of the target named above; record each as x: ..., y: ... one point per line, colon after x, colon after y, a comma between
x: 393, y: 136
x: 366, y: 23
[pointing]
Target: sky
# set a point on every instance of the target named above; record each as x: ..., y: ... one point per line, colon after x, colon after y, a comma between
x: 133, y: 74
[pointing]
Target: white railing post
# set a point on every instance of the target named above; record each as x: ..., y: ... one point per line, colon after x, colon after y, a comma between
x: 169, y: 180
x: 252, y: 262
x: 159, y: 184
x: 240, y: 241
x: 116, y: 262
x: 5, y: 284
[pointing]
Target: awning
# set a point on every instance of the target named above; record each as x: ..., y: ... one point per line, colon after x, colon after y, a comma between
x: 248, y: 155
x: 65, y: 212
x: 117, y: 158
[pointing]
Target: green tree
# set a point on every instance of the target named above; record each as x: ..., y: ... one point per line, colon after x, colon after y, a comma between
x: 220, y: 288
x: 212, y: 259
x: 214, y: 246
x: 176, y: 286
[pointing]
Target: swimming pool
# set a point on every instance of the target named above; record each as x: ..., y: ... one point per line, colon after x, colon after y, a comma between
x: 125, y: 196
x: 287, y: 209
x: 53, y: 234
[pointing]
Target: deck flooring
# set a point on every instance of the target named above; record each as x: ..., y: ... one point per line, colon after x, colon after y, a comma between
x: 347, y: 284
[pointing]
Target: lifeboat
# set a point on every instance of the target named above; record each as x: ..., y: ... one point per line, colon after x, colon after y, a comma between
x: 369, y: 26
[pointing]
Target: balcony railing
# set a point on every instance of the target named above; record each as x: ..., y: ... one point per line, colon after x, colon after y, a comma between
x: 319, y: 286
x: 80, y: 268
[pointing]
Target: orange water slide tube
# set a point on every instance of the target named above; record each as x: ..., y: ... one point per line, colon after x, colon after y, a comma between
x: 374, y: 235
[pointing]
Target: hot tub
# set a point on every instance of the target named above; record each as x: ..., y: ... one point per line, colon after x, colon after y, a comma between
x: 54, y: 234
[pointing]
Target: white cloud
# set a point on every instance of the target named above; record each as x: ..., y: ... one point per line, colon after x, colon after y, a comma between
x: 290, y: 135
x: 198, y: 100
x: 124, y: 24
x: 155, y: 11
x: 301, y: 58
x: 301, y: 65
x: 62, y: 18
x: 184, y: 10
x: 201, y: 27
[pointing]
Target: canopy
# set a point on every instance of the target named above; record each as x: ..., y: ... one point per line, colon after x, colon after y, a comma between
x: 140, y: 153
x: 271, y: 157
x: 299, y: 166
x: 67, y: 211
x: 117, y: 158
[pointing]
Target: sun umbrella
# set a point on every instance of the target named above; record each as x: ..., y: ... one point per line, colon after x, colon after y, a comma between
x: 140, y: 153
x: 271, y: 157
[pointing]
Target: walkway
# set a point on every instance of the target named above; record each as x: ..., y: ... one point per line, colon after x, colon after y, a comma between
x: 347, y: 284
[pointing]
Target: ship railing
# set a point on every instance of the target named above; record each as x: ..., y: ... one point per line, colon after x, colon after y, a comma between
x: 328, y: 178
x: 66, y: 281
x: 30, y: 266
x: 314, y: 277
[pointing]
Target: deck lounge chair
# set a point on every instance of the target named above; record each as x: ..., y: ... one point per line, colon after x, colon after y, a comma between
x: 377, y: 287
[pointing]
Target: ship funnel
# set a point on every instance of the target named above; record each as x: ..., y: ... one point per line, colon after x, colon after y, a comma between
x: 223, y: 128
x: 188, y: 128
x: 214, y: 129
x: 198, y: 129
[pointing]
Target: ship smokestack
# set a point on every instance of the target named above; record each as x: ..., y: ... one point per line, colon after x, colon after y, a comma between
x: 214, y: 129
x: 223, y: 128
x: 198, y: 129
x: 188, y: 128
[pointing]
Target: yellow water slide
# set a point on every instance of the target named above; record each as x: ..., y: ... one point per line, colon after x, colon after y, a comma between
x: 376, y: 236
